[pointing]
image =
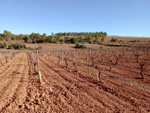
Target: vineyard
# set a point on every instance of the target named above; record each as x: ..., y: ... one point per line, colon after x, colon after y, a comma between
x: 84, y: 80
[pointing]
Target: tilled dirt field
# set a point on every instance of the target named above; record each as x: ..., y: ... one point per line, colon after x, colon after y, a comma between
x: 63, y: 90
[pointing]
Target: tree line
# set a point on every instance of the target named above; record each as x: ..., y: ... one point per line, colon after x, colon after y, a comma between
x: 70, y: 37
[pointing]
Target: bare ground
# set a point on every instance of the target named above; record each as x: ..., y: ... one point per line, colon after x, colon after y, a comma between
x: 63, y: 90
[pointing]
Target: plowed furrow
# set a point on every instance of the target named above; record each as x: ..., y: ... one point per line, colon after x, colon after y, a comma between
x: 126, y: 98
x: 101, y: 101
x: 68, y: 93
x: 21, y: 92
x: 7, y: 66
x: 9, y: 94
x: 6, y: 76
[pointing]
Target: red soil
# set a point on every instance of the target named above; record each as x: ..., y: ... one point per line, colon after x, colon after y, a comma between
x: 64, y: 90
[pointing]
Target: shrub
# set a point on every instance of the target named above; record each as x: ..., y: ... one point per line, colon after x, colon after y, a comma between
x: 39, y: 48
x: 25, y: 39
x: 73, y: 40
x: 134, y: 41
x: 3, y: 45
x: 80, y: 46
x: 40, y: 41
x: 67, y: 40
x: 61, y: 41
x: 1, y: 38
x: 30, y: 48
x: 114, y: 40
x: 101, y: 47
x: 17, y: 46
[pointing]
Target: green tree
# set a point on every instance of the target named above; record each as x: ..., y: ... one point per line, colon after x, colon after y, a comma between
x: 50, y: 39
x: 105, y: 34
x: 25, y: 39
x: 61, y: 41
x: 97, y: 38
x: 44, y: 36
x: 39, y: 38
x: 36, y: 38
x: 13, y: 37
x: 73, y: 40
x: 7, y: 35
x: 89, y: 39
x: 67, y: 40
x: 103, y: 39
x: 57, y: 38
x: 81, y: 39
x: 52, y: 34
x: 20, y: 37
x: 33, y: 37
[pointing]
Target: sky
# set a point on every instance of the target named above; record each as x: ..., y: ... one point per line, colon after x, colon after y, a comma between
x: 115, y: 17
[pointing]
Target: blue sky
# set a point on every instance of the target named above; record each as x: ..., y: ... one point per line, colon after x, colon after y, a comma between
x: 116, y: 17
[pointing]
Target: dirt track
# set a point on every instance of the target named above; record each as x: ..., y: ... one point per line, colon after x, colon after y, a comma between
x: 63, y: 90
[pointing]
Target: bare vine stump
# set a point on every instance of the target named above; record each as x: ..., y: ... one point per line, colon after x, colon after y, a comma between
x: 99, y: 76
